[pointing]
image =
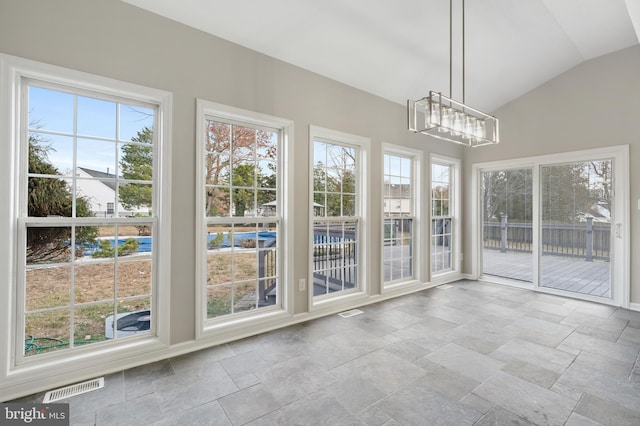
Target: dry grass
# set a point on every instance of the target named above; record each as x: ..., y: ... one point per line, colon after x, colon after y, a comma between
x: 50, y: 287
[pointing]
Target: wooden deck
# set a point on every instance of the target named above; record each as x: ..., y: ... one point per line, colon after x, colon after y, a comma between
x: 557, y: 272
x: 561, y: 273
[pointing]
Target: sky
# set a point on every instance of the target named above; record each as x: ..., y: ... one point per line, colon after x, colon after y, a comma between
x: 54, y: 111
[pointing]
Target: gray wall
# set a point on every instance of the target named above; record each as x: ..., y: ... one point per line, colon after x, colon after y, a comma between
x: 114, y: 39
x: 595, y: 104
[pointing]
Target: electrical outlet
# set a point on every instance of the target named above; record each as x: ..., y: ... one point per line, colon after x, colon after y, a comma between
x: 302, y: 284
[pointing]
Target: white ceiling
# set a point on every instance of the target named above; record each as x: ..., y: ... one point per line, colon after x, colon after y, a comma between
x: 400, y: 49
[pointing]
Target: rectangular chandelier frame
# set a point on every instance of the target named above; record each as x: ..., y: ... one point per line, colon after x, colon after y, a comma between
x: 444, y: 118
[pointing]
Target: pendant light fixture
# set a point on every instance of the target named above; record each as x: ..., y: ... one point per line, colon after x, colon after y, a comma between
x: 445, y: 118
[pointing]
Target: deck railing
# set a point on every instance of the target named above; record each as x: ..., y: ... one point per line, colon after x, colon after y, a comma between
x: 585, y: 240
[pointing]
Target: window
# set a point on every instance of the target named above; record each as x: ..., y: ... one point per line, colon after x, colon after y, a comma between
x: 240, y: 155
x: 337, y: 250
x: 444, y: 216
x: 399, y: 217
x: 85, y: 278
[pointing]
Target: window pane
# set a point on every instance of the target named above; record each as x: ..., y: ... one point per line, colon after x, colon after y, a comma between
x: 134, y: 120
x: 50, y: 110
x: 50, y: 154
x: 46, y: 332
x: 47, y: 287
x: 91, y: 322
x: 96, y: 117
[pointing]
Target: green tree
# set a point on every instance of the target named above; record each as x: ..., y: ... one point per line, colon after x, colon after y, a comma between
x: 229, y: 146
x: 137, y: 164
x: 243, y: 176
x: 52, y: 197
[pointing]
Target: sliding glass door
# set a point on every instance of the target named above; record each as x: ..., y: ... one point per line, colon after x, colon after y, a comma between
x: 507, y: 223
x: 576, y: 212
x: 557, y: 223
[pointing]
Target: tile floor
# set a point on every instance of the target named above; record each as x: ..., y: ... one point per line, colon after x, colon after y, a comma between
x: 472, y: 354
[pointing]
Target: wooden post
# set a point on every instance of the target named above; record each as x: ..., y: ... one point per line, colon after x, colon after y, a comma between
x: 589, y: 239
x: 503, y: 233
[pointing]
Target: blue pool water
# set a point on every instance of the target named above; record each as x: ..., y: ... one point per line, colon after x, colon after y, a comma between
x: 269, y: 238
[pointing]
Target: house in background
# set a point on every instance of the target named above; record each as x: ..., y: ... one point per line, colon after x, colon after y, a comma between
x: 100, y: 190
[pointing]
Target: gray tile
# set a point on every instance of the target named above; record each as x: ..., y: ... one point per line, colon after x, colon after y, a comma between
x: 559, y: 310
x: 539, y: 331
x: 407, y: 350
x: 143, y: 410
x: 112, y: 394
x: 449, y: 383
x: 534, y: 403
x: 374, y: 416
x: 602, y: 385
x: 477, y: 344
x: 329, y: 355
x: 209, y: 414
x: 244, y: 363
x: 246, y: 381
x: 248, y: 404
x: 375, y: 327
x: 566, y: 390
x: 499, y: 416
x: 477, y: 402
x: 630, y: 335
x: 421, y: 336
x: 316, y: 409
x: 86, y: 419
x: 294, y: 379
x: 605, y: 364
x: 606, y: 412
x: 466, y: 362
x: 597, y: 346
x: 355, y: 393
x: 356, y: 339
x: 193, y: 388
x: 578, y: 420
x: 453, y: 315
x: 384, y: 370
x: 531, y: 373
x: 138, y: 380
x: 201, y: 358
x: 485, y: 329
x: 397, y: 318
x: 418, y: 404
x: 533, y: 353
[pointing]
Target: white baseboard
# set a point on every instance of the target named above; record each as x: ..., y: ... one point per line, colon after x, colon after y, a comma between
x: 634, y: 306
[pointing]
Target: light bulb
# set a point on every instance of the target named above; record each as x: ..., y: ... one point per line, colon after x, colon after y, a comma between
x: 434, y: 117
x: 457, y: 123
x: 469, y: 126
x: 446, y: 119
x: 479, y: 131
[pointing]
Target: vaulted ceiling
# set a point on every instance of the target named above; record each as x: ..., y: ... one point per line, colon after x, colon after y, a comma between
x: 400, y: 49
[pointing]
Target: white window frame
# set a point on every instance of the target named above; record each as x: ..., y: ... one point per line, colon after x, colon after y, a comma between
x: 415, y: 156
x: 14, y: 71
x: 454, y: 210
x: 363, y: 185
x: 237, y: 324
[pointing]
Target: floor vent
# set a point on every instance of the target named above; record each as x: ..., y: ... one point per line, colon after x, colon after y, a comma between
x: 351, y: 313
x: 73, y: 390
x: 444, y: 286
